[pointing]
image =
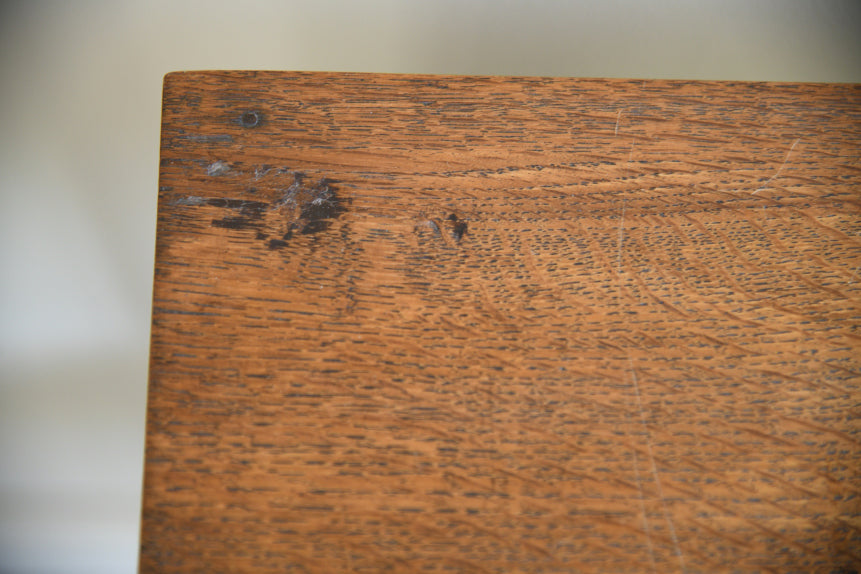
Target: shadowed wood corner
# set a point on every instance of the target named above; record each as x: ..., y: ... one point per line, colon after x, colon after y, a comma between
x: 489, y: 324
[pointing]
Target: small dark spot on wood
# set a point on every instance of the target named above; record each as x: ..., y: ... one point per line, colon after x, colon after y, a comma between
x: 249, y: 119
x: 277, y: 244
x: 262, y: 236
x: 456, y: 226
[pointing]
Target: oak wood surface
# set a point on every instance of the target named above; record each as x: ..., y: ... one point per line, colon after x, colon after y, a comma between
x: 486, y: 324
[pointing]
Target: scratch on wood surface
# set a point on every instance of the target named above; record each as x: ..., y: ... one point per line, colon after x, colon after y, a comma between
x: 785, y: 161
x: 621, y: 237
x: 655, y: 474
x: 643, y: 511
x: 616, y: 131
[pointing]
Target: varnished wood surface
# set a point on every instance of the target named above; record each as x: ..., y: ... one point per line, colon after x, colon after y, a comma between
x: 447, y: 324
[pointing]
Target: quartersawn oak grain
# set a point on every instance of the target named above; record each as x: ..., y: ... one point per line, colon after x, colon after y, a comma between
x: 482, y: 324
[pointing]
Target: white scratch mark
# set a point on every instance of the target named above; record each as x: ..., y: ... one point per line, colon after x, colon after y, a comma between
x: 260, y: 172
x: 785, y: 161
x: 655, y: 474
x: 621, y: 237
x: 616, y: 131
x: 217, y: 168
x: 643, y: 511
x: 190, y: 200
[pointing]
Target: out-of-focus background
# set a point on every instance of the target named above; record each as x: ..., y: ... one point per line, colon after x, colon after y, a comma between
x: 80, y: 89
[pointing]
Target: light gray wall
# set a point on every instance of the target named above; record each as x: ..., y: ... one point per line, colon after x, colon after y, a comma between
x: 80, y: 87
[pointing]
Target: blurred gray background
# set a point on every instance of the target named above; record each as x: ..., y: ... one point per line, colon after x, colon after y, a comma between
x: 80, y: 90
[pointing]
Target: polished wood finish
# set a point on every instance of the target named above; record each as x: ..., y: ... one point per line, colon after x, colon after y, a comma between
x: 486, y: 324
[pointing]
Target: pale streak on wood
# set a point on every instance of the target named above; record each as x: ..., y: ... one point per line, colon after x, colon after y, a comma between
x: 646, y: 528
x: 621, y: 238
x: 655, y: 474
x: 780, y: 169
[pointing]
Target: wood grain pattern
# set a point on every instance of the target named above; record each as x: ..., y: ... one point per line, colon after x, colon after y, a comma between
x: 450, y: 324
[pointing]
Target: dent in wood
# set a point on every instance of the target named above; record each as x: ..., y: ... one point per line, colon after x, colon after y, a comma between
x: 450, y: 229
x: 458, y: 227
x: 250, y: 119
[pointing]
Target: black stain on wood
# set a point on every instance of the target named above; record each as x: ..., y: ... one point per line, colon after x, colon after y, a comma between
x: 458, y: 227
x: 232, y: 223
x: 250, y: 213
x: 310, y: 208
x: 300, y: 209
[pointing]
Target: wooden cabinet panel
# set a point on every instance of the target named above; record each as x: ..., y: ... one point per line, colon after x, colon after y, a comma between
x: 488, y: 324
